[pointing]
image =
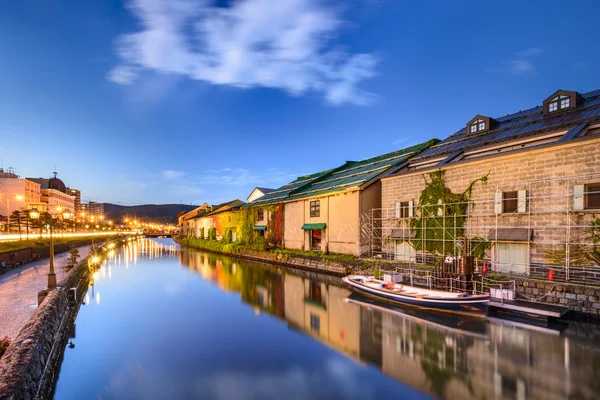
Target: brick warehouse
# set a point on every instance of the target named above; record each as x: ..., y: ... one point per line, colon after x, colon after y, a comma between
x: 535, y: 207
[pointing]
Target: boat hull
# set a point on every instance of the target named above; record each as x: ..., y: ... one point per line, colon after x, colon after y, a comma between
x: 475, y: 306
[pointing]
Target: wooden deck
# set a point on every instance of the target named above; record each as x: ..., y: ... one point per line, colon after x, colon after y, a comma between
x: 528, y: 307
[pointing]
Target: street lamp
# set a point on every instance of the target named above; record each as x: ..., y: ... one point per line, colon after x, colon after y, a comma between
x: 35, y: 214
x: 93, y: 230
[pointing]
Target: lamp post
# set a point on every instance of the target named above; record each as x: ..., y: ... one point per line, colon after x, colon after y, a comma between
x: 66, y: 214
x: 93, y: 230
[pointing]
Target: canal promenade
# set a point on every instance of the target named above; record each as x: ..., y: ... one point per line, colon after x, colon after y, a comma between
x: 19, y: 288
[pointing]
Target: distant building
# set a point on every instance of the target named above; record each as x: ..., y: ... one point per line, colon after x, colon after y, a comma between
x: 258, y: 192
x: 220, y: 217
x: 54, y: 196
x: 57, y: 201
x: 92, y: 208
x: 17, y: 193
x: 185, y: 221
x: 77, y: 194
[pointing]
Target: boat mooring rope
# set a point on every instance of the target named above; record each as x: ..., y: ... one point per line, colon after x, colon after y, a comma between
x: 536, y: 298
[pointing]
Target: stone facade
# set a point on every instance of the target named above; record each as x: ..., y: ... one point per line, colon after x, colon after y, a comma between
x: 578, y: 298
x: 547, y: 174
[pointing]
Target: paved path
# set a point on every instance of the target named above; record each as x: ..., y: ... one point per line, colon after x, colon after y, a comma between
x: 19, y: 289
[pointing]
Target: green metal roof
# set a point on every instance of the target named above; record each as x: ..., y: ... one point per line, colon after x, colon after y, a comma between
x: 314, y: 227
x: 260, y: 227
x: 349, y: 176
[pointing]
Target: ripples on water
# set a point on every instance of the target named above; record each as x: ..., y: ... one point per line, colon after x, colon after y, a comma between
x: 163, y: 322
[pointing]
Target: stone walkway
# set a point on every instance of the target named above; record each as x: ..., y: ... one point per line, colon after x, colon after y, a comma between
x: 19, y: 289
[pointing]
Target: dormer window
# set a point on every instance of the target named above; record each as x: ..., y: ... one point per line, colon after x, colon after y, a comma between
x: 479, y: 124
x: 562, y: 100
x: 559, y: 103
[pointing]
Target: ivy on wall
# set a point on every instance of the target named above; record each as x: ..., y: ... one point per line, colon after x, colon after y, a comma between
x: 442, y: 216
x: 243, y: 221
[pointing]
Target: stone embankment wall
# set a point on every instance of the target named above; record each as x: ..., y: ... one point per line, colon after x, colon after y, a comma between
x: 583, y: 299
x: 27, y: 368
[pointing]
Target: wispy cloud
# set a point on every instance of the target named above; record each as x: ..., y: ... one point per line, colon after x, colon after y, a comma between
x: 252, y: 43
x: 238, y: 177
x: 532, y: 51
x: 170, y: 174
x: 519, y: 67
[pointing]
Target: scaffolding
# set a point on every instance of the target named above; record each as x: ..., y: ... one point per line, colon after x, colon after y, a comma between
x: 539, y: 228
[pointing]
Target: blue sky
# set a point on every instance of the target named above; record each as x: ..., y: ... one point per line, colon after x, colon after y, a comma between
x: 169, y: 101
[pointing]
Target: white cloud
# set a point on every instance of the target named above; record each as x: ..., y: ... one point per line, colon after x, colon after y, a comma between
x: 239, y: 177
x: 123, y: 74
x: 171, y: 175
x: 519, y: 67
x: 252, y: 43
x: 516, y: 67
x: 533, y: 51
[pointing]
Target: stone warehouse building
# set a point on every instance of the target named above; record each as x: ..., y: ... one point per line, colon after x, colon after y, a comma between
x: 323, y: 211
x: 524, y: 189
x: 220, y: 217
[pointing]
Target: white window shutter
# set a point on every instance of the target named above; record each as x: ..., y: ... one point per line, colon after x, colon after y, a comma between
x: 578, y: 197
x: 498, y: 202
x: 411, y: 209
x: 397, y: 210
x: 440, y: 210
x: 522, y: 201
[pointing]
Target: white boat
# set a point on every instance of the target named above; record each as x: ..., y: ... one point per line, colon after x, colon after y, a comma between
x: 457, y: 302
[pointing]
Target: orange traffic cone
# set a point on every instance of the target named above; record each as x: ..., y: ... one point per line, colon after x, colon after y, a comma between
x: 551, y: 274
x: 484, y: 267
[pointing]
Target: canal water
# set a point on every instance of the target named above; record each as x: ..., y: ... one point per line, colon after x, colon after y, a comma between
x: 164, y: 322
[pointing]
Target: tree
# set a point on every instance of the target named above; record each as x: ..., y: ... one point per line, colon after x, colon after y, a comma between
x: 15, y: 220
x: 46, y: 220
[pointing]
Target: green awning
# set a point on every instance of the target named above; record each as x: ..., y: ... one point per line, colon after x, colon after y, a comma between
x: 314, y: 227
x: 260, y: 227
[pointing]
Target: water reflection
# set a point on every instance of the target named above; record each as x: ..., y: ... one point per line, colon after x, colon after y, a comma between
x: 178, y: 323
x: 441, y: 355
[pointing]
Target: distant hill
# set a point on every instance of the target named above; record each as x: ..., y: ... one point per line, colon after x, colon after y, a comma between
x: 163, y: 213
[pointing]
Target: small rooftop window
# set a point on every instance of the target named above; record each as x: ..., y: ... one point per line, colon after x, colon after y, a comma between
x: 562, y: 100
x: 479, y: 124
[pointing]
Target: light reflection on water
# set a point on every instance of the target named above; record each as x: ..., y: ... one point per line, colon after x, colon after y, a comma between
x: 171, y: 324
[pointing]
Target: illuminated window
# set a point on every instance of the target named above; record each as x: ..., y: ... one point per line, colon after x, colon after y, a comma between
x: 558, y: 103
x: 478, y: 125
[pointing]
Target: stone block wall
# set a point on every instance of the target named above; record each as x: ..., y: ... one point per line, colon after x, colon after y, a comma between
x: 575, y: 297
x: 549, y: 214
